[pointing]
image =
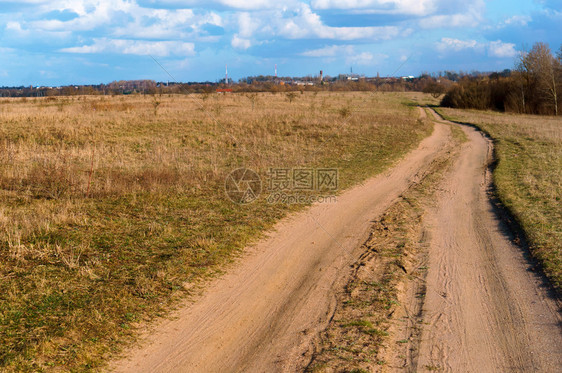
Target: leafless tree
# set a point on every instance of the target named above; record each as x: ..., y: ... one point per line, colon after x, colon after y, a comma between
x: 539, y: 73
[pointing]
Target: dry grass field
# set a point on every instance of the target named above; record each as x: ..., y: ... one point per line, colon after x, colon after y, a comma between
x: 528, y: 176
x: 111, y: 208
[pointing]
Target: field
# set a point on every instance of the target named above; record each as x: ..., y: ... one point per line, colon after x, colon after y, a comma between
x: 112, y: 208
x: 528, y: 176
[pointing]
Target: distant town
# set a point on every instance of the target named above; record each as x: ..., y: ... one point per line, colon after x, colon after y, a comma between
x: 261, y: 83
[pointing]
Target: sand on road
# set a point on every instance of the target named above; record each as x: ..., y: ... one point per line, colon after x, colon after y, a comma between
x: 485, y: 308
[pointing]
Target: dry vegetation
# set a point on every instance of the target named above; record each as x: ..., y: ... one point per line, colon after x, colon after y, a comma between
x: 532, y: 88
x: 110, y: 206
x: 528, y: 177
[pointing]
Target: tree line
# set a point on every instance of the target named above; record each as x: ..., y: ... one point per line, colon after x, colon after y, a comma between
x: 250, y: 84
x: 533, y: 87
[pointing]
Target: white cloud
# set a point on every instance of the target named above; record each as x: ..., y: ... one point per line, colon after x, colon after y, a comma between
x: 518, y: 20
x: 496, y: 48
x: 307, y: 24
x: 138, y: 47
x: 456, y: 45
x: 364, y: 58
x: 247, y: 25
x: 91, y: 14
x: 35, y: 2
x: 451, y: 20
x: 465, y: 14
x: 347, y: 51
x: 164, y: 24
x: 246, y: 4
x: 329, y: 51
x: 415, y: 7
x: 501, y: 50
x: 302, y: 23
x: 240, y: 43
x: 15, y: 27
x: 21, y: 32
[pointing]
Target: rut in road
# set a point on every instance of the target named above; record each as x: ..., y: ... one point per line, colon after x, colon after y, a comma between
x: 262, y: 315
x: 485, y: 310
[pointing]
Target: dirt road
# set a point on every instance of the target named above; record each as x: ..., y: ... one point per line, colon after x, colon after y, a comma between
x: 485, y: 311
x: 262, y: 315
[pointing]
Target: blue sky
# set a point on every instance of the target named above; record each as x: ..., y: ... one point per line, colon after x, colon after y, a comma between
x: 58, y: 42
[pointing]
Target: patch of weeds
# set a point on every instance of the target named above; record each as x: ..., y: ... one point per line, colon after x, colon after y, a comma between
x: 432, y: 367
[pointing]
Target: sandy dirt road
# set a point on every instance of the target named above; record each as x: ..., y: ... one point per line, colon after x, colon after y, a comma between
x: 485, y: 309
x: 262, y: 315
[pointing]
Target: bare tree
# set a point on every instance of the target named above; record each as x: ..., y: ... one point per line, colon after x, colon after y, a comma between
x: 434, y: 88
x: 539, y: 66
x: 558, y: 75
x: 523, y: 78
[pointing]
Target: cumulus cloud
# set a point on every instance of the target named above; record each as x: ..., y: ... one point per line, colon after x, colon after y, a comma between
x: 21, y: 32
x: 454, y: 20
x: 303, y: 23
x: 496, y: 48
x: 456, y: 45
x: 247, y: 4
x: 469, y: 14
x: 248, y: 25
x: 345, y: 51
x: 15, y: 27
x: 501, y: 50
x: 364, y: 58
x: 519, y: 20
x: 240, y: 43
x: 166, y: 24
x: 91, y: 14
x: 416, y: 7
x: 329, y: 51
x: 138, y: 47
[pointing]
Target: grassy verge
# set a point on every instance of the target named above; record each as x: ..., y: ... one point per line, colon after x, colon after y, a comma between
x: 113, y: 207
x: 528, y: 177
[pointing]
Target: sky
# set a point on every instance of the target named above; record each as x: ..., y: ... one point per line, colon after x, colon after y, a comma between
x: 62, y: 42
